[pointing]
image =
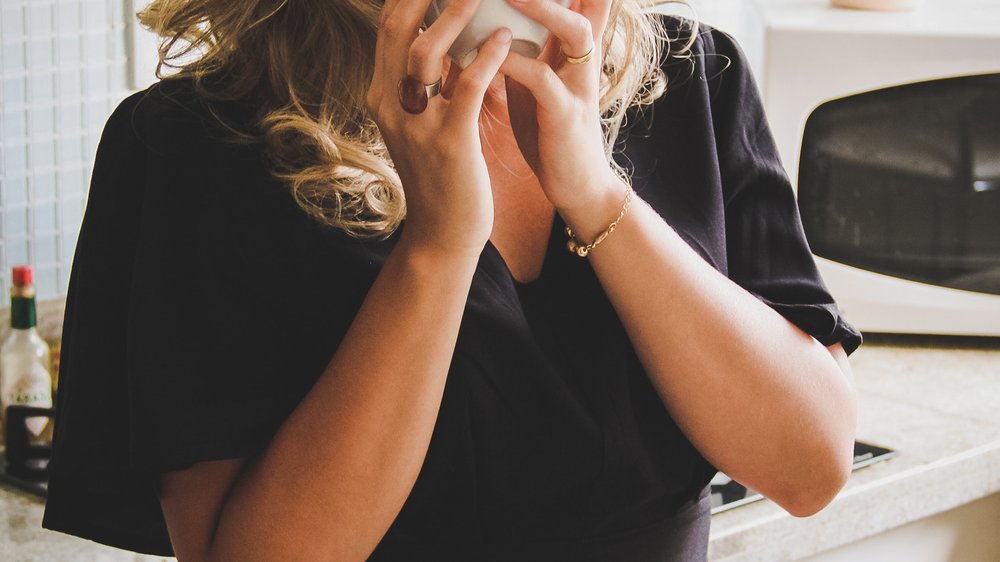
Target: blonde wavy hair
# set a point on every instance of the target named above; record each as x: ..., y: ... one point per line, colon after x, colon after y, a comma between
x: 307, y: 64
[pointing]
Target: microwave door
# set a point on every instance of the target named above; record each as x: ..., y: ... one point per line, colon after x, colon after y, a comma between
x: 899, y: 192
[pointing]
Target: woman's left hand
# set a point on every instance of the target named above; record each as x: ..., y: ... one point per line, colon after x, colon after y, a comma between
x: 554, y: 105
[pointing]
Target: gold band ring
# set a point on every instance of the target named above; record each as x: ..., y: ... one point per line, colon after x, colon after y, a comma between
x: 433, y: 89
x: 579, y: 60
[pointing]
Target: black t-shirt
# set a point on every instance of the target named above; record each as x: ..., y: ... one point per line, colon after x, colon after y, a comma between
x: 203, y: 304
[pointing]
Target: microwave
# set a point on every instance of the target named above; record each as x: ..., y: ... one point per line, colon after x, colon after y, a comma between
x: 889, y: 126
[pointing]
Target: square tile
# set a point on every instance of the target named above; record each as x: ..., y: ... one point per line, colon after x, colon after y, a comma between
x: 11, y: 23
x: 69, y: 151
x: 16, y: 251
x: 15, y: 159
x: 90, y: 141
x: 71, y: 211
x: 44, y: 250
x: 118, y: 10
x: 67, y: 19
x: 69, y: 117
x: 67, y: 50
x: 42, y: 155
x: 41, y: 121
x: 43, y: 218
x: 62, y: 278
x: 96, y: 81
x: 41, y: 86
x: 13, y: 57
x: 68, y: 182
x: 67, y: 244
x: 45, y: 282
x: 43, y: 187
x: 13, y: 91
x: 40, y: 19
x: 40, y: 56
x: 15, y: 190
x: 119, y: 77
x: 95, y: 15
x: 95, y: 114
x: 95, y: 48
x: 15, y: 222
x: 15, y: 125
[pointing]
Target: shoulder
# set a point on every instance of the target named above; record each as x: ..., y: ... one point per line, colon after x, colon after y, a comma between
x: 699, y: 52
x: 171, y: 118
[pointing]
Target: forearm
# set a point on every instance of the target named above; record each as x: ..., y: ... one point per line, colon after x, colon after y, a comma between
x: 339, y: 469
x: 744, y: 384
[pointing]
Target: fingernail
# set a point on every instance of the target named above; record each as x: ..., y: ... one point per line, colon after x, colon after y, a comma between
x: 503, y: 35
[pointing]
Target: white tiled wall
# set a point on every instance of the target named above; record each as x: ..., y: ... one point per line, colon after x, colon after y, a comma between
x: 63, y: 68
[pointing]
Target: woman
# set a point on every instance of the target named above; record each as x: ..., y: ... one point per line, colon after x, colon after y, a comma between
x: 303, y: 380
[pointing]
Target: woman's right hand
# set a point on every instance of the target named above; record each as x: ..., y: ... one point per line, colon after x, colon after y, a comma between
x: 437, y: 153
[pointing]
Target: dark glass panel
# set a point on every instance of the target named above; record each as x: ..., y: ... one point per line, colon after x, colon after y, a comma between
x: 905, y: 181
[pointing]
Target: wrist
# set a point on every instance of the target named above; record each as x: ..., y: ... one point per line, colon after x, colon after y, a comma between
x: 590, y: 218
x: 438, y: 254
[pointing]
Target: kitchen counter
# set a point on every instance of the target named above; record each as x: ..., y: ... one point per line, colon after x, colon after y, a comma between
x: 22, y: 538
x: 935, y: 400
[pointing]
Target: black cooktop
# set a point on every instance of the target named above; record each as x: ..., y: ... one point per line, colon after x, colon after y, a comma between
x: 728, y: 493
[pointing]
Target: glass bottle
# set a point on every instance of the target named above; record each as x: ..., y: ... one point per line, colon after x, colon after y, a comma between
x: 25, y: 356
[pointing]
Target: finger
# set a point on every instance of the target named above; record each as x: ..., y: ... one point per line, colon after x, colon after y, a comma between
x: 574, y: 31
x: 454, y: 72
x: 538, y: 78
x: 475, y: 79
x: 429, y: 49
x: 598, y: 12
x: 398, y: 30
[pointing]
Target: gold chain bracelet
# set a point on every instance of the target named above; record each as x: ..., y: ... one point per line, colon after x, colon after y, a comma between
x: 582, y: 250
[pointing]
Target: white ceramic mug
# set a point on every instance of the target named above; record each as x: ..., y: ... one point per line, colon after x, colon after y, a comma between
x: 528, y: 35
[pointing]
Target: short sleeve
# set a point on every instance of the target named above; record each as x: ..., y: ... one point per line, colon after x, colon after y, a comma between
x: 767, y: 250
x: 186, y: 335
x: 211, y: 371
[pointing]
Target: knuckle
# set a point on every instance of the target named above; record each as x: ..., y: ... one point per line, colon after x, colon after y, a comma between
x: 471, y: 79
x: 549, y: 79
x: 390, y: 29
x: 465, y: 89
x: 582, y: 29
x: 421, y: 52
x: 544, y: 75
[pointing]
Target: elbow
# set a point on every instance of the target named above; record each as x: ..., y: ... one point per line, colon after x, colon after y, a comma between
x: 820, y: 488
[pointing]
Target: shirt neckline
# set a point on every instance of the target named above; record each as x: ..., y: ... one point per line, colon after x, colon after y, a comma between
x: 557, y: 227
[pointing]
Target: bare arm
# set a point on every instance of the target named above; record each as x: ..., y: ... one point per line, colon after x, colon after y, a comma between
x: 745, y: 385
x: 339, y: 469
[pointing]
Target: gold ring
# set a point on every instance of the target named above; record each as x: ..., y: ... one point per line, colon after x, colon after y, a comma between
x: 433, y: 89
x: 578, y: 60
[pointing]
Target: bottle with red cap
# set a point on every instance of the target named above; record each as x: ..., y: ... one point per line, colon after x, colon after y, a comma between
x: 24, y: 357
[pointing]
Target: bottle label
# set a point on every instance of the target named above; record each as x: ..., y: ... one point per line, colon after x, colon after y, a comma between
x: 34, y: 388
